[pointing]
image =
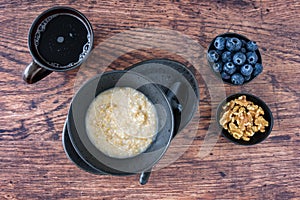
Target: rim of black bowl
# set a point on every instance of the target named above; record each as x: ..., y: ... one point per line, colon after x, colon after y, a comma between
x: 258, y: 136
x: 239, y: 36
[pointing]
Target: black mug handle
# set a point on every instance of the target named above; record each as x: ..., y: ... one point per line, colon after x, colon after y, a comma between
x: 33, y: 73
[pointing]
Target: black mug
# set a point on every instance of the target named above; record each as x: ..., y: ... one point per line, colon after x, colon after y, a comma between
x: 60, y: 39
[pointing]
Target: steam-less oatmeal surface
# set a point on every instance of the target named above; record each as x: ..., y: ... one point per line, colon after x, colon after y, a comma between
x: 121, y: 122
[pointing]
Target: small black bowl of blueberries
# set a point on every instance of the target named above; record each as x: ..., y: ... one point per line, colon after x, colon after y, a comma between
x: 234, y: 58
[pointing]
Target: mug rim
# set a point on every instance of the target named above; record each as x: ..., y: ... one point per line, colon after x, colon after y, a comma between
x: 64, y: 9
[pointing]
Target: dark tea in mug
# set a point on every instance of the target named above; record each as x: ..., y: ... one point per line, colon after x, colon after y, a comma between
x: 62, y: 40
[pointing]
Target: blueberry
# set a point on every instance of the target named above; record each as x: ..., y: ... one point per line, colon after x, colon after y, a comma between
x: 219, y: 52
x: 239, y: 58
x: 237, y: 79
x: 225, y: 76
x: 226, y: 56
x: 247, y: 69
x: 251, y: 57
x: 243, y: 50
x: 229, y: 68
x: 233, y: 44
x: 258, y: 68
x: 217, y: 67
x: 251, y: 46
x: 219, y: 43
x: 247, y: 78
x: 244, y: 43
x: 212, y: 56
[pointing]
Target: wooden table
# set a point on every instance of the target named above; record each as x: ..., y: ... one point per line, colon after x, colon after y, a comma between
x: 32, y: 160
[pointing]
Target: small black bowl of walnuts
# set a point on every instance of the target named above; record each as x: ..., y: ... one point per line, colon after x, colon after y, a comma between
x: 244, y: 119
x: 234, y: 58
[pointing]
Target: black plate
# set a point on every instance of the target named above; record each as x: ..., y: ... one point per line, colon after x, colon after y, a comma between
x: 72, y: 154
x: 166, y: 73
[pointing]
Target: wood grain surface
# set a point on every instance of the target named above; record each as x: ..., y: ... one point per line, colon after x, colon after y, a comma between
x: 33, y: 164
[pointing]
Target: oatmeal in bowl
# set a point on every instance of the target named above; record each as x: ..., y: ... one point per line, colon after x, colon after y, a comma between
x: 121, y: 122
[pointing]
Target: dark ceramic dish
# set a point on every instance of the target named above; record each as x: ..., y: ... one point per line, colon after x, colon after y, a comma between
x: 258, y: 136
x: 166, y: 80
x: 141, y: 163
x: 71, y: 31
x: 73, y: 155
x: 241, y: 37
x: 169, y: 74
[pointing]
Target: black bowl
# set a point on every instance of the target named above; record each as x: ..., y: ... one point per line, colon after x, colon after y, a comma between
x: 241, y: 37
x: 94, y: 157
x: 258, y: 136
